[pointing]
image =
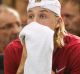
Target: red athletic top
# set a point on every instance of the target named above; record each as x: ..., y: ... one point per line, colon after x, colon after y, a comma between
x: 12, y: 56
x: 67, y: 59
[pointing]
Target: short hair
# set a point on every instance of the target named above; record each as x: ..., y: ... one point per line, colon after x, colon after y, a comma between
x: 75, y: 2
x: 13, y: 11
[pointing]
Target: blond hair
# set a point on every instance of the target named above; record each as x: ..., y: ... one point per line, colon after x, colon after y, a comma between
x: 59, y: 35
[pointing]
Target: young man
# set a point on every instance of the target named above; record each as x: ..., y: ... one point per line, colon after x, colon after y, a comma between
x: 66, y: 54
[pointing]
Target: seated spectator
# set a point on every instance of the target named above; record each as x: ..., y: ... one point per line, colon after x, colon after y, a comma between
x: 71, y: 16
x: 12, y: 56
x: 10, y: 26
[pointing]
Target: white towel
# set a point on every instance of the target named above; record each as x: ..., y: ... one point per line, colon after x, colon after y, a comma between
x: 39, y: 44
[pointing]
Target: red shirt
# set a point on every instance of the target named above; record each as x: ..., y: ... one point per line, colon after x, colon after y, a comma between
x: 12, y: 56
x: 67, y: 59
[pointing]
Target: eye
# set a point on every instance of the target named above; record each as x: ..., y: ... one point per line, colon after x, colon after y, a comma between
x: 43, y: 16
x: 30, y: 16
x: 8, y: 26
x: 68, y: 16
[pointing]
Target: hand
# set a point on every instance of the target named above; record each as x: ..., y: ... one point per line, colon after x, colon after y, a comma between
x: 53, y: 72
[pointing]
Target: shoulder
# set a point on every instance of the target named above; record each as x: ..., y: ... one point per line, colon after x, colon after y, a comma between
x: 73, y: 52
x: 72, y: 46
x: 71, y: 40
x: 15, y: 45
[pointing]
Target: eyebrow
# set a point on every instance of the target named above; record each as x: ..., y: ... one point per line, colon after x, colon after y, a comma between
x: 30, y: 11
x: 43, y: 10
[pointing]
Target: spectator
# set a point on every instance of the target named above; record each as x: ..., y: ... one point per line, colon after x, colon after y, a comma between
x: 12, y: 55
x: 71, y: 16
x: 10, y: 25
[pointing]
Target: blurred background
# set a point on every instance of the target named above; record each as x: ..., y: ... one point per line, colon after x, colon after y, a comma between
x: 20, y: 6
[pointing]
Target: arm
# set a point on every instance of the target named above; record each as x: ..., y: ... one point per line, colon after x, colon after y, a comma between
x: 23, y: 58
x: 52, y: 72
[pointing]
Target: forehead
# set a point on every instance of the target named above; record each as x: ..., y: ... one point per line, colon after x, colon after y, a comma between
x: 6, y: 13
x: 70, y: 8
x: 7, y: 18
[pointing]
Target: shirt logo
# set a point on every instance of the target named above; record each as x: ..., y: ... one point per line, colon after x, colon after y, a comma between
x: 57, y: 71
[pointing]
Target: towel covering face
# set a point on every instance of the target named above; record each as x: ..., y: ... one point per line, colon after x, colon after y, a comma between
x: 39, y: 44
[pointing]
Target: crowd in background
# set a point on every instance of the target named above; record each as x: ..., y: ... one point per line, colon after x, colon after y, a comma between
x: 14, y: 17
x: 11, y: 22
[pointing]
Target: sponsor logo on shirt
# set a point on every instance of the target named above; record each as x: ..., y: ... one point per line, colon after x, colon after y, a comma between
x: 61, y: 69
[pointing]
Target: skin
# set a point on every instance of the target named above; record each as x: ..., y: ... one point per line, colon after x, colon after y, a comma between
x: 42, y: 16
x: 10, y: 26
x: 71, y: 17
